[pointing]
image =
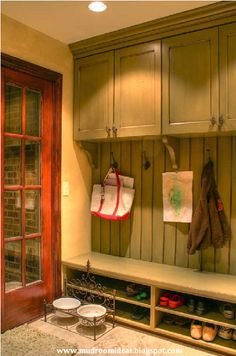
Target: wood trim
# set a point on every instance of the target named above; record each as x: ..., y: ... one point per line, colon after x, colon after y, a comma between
x: 2, y: 201
x: 56, y: 185
x: 56, y: 79
x: 196, y: 19
x: 29, y: 68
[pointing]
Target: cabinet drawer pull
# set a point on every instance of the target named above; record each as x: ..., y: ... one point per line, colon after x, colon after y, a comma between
x: 221, y: 121
x: 213, y: 121
x: 114, y: 129
x: 108, y: 131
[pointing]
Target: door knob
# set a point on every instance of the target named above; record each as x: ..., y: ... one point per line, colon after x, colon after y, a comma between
x: 108, y: 131
x: 114, y: 129
x: 213, y: 121
x: 221, y: 121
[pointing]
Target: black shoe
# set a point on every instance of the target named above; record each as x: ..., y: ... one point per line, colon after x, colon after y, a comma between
x: 201, y: 307
x: 138, y: 313
x: 191, y: 305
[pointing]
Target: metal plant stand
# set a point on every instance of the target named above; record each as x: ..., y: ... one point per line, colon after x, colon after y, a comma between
x: 88, y: 291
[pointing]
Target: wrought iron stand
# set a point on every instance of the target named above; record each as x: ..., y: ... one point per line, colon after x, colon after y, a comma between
x: 88, y: 291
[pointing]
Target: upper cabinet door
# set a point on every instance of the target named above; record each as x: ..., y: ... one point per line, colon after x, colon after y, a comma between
x: 190, y: 83
x: 228, y: 77
x: 138, y: 90
x: 93, y: 96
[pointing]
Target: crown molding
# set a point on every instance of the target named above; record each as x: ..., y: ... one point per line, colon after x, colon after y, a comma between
x: 192, y: 20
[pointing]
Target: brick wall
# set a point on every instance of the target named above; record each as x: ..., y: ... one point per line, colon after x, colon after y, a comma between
x: 13, y: 176
x: 12, y: 199
x: 13, y: 99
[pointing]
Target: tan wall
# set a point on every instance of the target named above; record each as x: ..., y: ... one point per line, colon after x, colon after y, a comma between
x: 23, y: 42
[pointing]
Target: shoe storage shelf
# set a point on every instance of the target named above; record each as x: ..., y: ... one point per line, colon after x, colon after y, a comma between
x: 140, y: 287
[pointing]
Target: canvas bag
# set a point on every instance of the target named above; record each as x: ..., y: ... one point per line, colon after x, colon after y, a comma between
x: 112, y: 202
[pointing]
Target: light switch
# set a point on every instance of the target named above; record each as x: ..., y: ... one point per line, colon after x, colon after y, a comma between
x: 65, y: 188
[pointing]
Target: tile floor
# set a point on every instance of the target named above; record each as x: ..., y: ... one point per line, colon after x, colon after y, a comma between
x: 134, y: 342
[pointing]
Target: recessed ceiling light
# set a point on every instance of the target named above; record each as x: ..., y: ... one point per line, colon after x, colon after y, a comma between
x: 97, y: 6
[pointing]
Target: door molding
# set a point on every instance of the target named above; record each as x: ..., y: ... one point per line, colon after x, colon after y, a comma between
x: 56, y: 80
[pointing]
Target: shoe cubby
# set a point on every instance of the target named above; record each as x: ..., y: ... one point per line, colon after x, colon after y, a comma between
x: 182, y: 333
x: 133, y: 293
x: 135, y: 314
x: 176, y: 320
x: 130, y: 278
x: 199, y: 308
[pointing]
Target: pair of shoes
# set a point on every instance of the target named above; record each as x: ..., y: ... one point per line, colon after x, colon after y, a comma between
x: 201, y: 307
x: 133, y: 289
x: 142, y: 295
x: 191, y: 305
x: 139, y: 313
x: 227, y: 333
x: 227, y: 311
x: 171, y: 300
x: 206, y: 331
x: 196, y: 306
x: 173, y: 319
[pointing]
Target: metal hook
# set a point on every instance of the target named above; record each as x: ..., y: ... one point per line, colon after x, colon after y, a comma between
x: 146, y: 162
x: 209, y: 154
x: 113, y: 163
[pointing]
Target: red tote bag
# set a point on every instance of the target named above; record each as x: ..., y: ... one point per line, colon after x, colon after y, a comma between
x: 112, y: 202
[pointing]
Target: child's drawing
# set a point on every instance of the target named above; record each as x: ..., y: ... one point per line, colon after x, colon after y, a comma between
x: 177, y: 196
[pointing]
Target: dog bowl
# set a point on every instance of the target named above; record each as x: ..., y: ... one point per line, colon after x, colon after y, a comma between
x: 92, y: 310
x: 67, y: 305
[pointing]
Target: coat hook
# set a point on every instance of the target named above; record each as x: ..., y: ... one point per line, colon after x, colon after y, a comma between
x: 171, y: 151
x: 113, y: 163
x: 146, y: 163
x: 209, y: 154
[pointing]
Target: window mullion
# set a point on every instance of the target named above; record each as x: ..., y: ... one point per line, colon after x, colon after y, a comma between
x: 23, y: 188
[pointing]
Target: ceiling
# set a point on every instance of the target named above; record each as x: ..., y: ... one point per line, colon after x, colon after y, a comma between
x: 71, y: 21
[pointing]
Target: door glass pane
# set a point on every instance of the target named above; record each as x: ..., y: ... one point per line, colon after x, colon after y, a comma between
x: 33, y: 101
x: 32, y: 163
x: 33, y: 260
x: 13, y: 98
x: 12, y: 213
x: 32, y: 212
x: 13, y: 273
x: 12, y: 161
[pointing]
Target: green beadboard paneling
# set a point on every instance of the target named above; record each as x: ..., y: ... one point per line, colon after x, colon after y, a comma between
x: 145, y: 236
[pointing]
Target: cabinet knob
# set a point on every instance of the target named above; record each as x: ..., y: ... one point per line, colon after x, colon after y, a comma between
x: 221, y: 121
x: 108, y: 131
x: 114, y: 130
x: 213, y: 121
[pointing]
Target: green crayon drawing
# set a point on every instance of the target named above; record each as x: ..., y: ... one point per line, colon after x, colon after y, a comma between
x: 176, y: 198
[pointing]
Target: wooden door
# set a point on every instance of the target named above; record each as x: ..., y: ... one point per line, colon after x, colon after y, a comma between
x: 190, y: 83
x: 93, y: 97
x: 227, y: 77
x: 138, y: 90
x: 27, y: 197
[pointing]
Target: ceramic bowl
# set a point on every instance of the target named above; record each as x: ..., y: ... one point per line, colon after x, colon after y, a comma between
x: 92, y: 310
x: 65, y: 304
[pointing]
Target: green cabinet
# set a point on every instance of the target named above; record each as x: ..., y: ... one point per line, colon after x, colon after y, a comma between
x: 121, y: 93
x: 93, y: 97
x: 138, y: 90
x: 227, y: 42
x: 190, y: 93
x: 120, y: 102
x: 199, y: 82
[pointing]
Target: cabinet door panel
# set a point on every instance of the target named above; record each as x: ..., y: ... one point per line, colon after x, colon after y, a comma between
x: 228, y: 76
x: 190, y: 82
x: 93, y: 100
x: 137, y: 90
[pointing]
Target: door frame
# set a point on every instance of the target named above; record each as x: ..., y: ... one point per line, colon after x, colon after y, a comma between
x: 55, y: 79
